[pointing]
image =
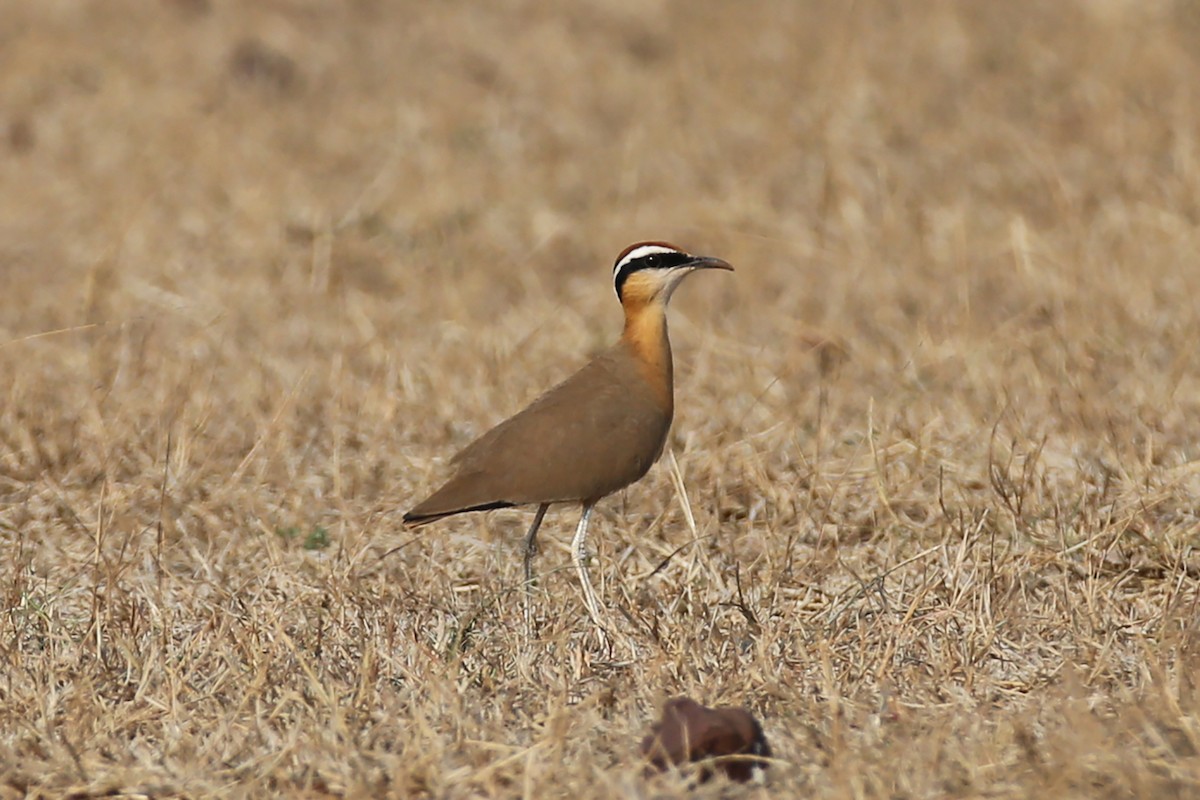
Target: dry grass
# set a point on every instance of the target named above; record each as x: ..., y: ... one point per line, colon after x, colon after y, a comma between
x: 265, y: 265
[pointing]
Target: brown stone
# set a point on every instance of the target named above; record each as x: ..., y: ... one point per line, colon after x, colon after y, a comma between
x: 691, y: 732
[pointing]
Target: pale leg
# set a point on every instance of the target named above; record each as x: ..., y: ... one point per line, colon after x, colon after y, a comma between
x: 579, y: 554
x: 530, y: 551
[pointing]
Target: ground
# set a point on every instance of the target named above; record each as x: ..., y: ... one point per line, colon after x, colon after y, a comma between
x: 929, y: 508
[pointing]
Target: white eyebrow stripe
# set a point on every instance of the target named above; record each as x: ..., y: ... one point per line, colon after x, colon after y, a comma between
x: 641, y: 252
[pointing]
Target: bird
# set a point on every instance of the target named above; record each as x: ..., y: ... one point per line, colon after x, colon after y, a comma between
x: 595, y: 433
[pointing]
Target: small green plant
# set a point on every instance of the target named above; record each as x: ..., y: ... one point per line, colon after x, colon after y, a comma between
x: 315, y: 539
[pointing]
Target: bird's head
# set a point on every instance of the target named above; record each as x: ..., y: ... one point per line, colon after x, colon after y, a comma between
x: 648, y: 272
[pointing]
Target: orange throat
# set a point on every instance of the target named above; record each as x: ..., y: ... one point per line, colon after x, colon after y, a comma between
x: 645, y: 335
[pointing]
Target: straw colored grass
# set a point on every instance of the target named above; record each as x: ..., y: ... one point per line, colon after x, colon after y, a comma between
x: 266, y: 266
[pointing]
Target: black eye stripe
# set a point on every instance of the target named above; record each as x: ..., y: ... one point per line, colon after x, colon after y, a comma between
x: 650, y: 261
x: 657, y: 261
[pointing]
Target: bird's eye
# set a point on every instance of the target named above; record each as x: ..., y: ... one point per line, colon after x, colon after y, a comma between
x: 653, y: 260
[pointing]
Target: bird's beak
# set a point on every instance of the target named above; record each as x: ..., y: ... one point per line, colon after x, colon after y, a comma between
x: 708, y: 262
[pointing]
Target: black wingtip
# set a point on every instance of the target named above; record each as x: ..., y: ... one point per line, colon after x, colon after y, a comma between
x: 415, y: 519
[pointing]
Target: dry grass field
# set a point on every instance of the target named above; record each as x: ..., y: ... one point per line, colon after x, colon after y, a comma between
x: 265, y: 266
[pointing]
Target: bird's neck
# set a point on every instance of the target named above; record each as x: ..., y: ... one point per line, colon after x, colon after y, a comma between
x: 645, y: 336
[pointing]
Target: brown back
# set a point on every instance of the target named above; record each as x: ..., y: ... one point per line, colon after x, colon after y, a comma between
x: 596, y: 432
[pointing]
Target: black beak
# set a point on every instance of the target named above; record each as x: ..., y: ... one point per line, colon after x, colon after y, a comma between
x: 708, y: 262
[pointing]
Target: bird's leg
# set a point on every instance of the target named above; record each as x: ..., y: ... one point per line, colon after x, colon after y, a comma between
x: 530, y: 551
x: 579, y: 555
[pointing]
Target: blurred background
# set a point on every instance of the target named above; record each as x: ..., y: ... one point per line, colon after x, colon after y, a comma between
x: 990, y: 207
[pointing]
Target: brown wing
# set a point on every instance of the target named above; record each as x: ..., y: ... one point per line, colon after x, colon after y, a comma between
x: 594, y: 433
